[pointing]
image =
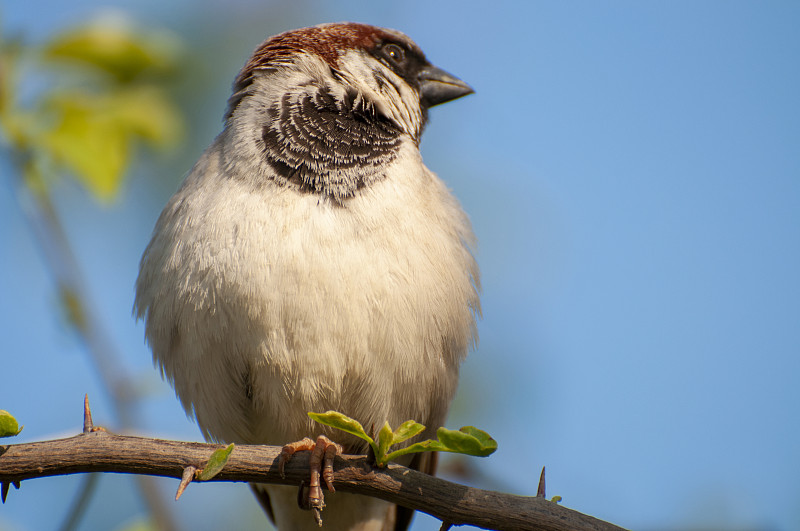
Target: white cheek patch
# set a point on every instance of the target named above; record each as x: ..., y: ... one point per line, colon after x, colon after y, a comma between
x: 388, y: 92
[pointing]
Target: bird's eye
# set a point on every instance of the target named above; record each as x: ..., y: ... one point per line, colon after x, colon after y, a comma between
x: 394, y: 53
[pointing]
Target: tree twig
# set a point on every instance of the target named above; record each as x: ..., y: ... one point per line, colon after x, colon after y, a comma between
x: 48, y: 230
x: 101, y: 451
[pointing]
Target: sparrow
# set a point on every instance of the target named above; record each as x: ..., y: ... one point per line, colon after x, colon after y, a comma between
x: 310, y: 261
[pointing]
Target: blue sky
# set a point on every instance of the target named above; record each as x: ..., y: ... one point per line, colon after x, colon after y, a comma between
x: 632, y: 170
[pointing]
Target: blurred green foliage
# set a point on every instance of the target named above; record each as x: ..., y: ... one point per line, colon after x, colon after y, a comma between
x: 79, y: 106
x: 105, y: 92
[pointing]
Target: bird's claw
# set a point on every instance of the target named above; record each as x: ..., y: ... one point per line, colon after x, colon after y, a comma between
x: 323, y: 452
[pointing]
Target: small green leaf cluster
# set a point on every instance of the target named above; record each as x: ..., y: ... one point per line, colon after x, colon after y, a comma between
x: 468, y: 440
x: 8, y: 424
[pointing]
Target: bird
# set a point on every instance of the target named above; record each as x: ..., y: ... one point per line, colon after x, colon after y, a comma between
x: 310, y: 261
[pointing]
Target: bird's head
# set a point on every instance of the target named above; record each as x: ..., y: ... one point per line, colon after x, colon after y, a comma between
x: 330, y: 104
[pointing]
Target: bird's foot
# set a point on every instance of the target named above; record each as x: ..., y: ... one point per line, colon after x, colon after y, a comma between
x: 321, y: 463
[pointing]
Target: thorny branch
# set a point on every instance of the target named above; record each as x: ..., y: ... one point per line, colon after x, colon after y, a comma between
x: 97, y: 450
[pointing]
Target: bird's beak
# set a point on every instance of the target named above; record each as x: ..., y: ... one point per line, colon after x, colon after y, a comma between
x: 437, y: 86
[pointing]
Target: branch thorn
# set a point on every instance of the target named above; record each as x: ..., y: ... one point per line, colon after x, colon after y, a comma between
x: 4, y: 489
x: 188, y: 476
x: 540, y: 490
x: 445, y: 526
x: 88, y: 427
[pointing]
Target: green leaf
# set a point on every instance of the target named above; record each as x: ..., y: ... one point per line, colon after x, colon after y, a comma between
x: 424, y: 446
x: 385, y: 437
x: 406, y: 430
x: 113, y: 45
x: 342, y: 422
x: 216, y: 463
x: 8, y: 425
x: 468, y: 440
